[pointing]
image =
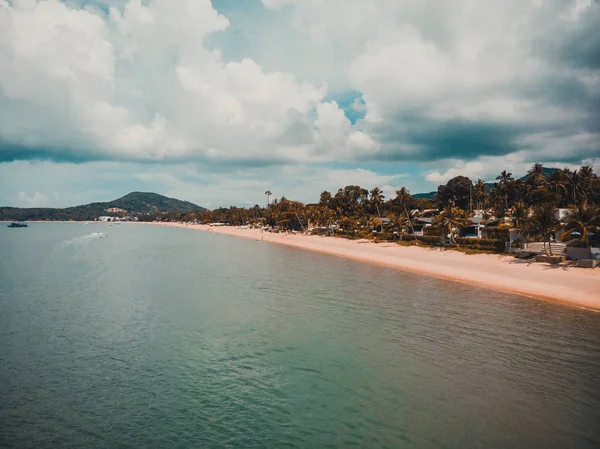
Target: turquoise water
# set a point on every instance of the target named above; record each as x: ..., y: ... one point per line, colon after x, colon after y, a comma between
x: 173, y: 338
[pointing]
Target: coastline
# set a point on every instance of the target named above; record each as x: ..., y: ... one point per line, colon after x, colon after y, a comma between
x: 573, y: 286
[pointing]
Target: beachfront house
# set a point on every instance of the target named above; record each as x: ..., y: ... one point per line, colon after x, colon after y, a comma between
x: 377, y: 223
x: 419, y: 224
x: 474, y: 229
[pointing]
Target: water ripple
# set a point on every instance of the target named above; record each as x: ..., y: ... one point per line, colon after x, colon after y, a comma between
x: 171, y: 338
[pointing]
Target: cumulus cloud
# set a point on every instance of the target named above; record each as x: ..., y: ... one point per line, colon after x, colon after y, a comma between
x: 139, y: 84
x: 37, y: 199
x: 468, y: 78
x: 452, y: 86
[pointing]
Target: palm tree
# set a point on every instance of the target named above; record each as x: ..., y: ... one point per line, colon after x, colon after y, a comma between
x: 586, y: 172
x: 576, y: 184
x: 520, y: 213
x: 377, y: 199
x: 480, y: 193
x: 584, y: 219
x: 402, y: 196
x: 536, y: 174
x: 504, y: 177
x: 542, y: 223
x: 268, y: 193
x: 557, y: 185
x: 451, y: 217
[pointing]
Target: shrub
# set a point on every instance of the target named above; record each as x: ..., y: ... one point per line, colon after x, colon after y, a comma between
x: 425, y: 239
x: 384, y: 236
x: 495, y: 245
x: 498, y: 234
x: 432, y: 231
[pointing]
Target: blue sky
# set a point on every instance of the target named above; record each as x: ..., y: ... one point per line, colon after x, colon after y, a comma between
x: 216, y: 102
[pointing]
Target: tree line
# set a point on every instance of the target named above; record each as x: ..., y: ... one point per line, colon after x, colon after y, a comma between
x: 530, y: 202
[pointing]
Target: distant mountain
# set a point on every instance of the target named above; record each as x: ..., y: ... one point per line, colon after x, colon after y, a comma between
x: 135, y: 203
x: 147, y: 202
x: 429, y: 195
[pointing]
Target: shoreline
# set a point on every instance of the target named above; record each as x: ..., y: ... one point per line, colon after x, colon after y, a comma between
x: 572, y: 286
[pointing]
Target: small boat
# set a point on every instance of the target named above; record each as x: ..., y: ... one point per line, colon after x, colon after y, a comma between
x: 101, y: 235
x: 16, y: 224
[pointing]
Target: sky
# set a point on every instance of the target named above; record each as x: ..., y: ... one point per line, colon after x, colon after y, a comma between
x: 217, y: 102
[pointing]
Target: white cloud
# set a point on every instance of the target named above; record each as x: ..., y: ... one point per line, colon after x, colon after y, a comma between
x: 36, y: 200
x: 489, y: 167
x: 140, y: 84
x: 419, y: 65
x: 468, y: 84
x: 472, y: 170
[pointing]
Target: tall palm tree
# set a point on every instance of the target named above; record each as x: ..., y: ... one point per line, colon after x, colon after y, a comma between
x: 480, y: 193
x: 377, y: 199
x: 451, y: 217
x: 586, y: 172
x: 576, y: 185
x: 584, y: 219
x: 520, y: 214
x: 268, y: 193
x: 400, y: 203
x: 557, y: 185
x: 536, y: 174
x: 542, y: 223
x: 504, y: 177
x: 402, y: 196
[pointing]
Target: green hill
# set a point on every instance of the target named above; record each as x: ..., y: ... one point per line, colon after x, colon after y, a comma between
x: 135, y: 203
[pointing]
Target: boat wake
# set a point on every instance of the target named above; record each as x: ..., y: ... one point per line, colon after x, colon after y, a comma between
x: 82, y: 240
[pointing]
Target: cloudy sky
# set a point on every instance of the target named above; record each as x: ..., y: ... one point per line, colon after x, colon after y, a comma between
x: 216, y: 102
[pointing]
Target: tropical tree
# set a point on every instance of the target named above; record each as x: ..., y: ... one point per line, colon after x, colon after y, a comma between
x: 403, y: 197
x: 480, y: 194
x: 520, y: 214
x: 576, y: 186
x: 325, y: 198
x: 587, y: 173
x: 557, y: 185
x: 377, y: 200
x: 584, y: 219
x: 504, y: 177
x: 268, y: 193
x: 451, y: 217
x: 458, y: 190
x: 502, y: 187
x: 542, y: 224
x: 535, y: 175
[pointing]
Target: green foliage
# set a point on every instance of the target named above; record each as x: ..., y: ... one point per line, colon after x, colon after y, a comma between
x: 457, y: 190
x: 434, y: 231
x: 498, y: 234
x: 492, y: 245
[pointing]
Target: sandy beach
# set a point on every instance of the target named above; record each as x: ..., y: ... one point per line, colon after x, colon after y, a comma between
x: 574, y: 286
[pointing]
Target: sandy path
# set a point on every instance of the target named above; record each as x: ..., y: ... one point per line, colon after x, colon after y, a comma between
x: 575, y: 286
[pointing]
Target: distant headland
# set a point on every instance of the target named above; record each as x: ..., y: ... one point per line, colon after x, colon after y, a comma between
x: 130, y: 206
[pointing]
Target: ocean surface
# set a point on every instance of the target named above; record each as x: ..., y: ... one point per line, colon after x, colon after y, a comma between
x: 160, y: 337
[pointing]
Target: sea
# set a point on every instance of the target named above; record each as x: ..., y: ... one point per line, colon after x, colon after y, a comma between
x: 160, y: 337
